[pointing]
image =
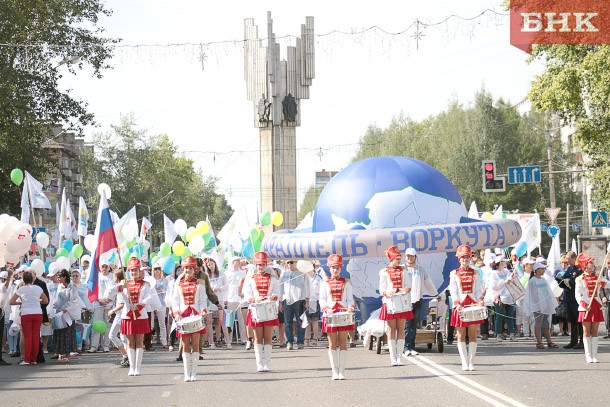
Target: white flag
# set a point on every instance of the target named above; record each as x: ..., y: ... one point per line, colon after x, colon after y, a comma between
x: 126, y: 228
x: 83, y: 217
x: 553, y: 258
x: 56, y: 234
x: 65, y: 224
x: 236, y: 228
x: 170, y: 233
x: 146, y: 225
x: 25, y: 203
x: 498, y: 213
x: 532, y: 235
x: 39, y: 199
x: 473, y: 212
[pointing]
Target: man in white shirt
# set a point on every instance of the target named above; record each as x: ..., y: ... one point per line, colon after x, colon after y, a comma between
x: 100, y: 310
x: 234, y: 276
x: 422, y: 285
x: 294, y: 292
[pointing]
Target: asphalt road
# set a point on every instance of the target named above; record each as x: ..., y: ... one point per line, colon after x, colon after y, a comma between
x: 507, y: 373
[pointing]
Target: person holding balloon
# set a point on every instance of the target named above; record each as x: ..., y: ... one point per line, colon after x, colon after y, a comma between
x: 394, y: 280
x: 465, y: 287
x: 135, y: 295
x: 258, y: 288
x: 336, y: 295
x: 189, y: 298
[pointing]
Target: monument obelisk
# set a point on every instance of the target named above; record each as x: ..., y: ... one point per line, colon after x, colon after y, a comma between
x: 276, y: 87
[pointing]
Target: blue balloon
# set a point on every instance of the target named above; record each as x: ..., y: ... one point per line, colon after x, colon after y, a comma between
x: 247, y: 250
x: 46, y: 266
x: 138, y: 249
x: 168, y: 264
x: 521, y: 249
x: 67, y: 244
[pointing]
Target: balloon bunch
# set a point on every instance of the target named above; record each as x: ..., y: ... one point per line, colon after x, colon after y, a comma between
x: 272, y: 218
x: 15, y: 240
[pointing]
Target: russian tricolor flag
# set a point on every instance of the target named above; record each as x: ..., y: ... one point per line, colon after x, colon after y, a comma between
x: 106, y: 241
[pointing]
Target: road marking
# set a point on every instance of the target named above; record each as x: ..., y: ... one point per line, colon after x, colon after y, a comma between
x: 472, y: 383
x: 166, y: 394
x: 456, y: 383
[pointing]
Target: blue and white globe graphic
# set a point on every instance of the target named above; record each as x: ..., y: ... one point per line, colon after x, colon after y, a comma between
x: 389, y: 192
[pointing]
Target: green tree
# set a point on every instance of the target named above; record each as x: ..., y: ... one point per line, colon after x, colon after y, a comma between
x: 40, y: 39
x: 575, y: 86
x: 309, y: 201
x: 144, y: 169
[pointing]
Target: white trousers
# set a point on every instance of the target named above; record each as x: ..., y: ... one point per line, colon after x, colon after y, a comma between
x: 160, y: 315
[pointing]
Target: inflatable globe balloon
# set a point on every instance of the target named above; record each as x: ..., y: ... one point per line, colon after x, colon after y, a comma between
x: 389, y: 192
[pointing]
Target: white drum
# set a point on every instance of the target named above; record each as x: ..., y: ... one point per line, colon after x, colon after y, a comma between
x: 473, y: 313
x: 340, y: 319
x: 398, y: 303
x: 263, y: 311
x: 190, y: 324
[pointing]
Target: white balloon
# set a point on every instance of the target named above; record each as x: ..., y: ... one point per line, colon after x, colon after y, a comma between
x: 2, y: 260
x: 38, y: 266
x: 42, y: 239
x: 104, y: 188
x: 11, y: 259
x: 180, y: 227
x: 13, y: 246
x: 304, y: 266
x: 196, y: 244
x: 129, y: 233
x: 63, y: 263
x: 71, y: 258
x: 6, y: 232
x: 90, y: 243
x: 146, y: 245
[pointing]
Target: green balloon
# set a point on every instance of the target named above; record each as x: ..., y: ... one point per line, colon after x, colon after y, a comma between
x: 77, y: 251
x: 254, y: 235
x: 153, y: 255
x: 266, y: 218
x: 176, y: 257
x: 154, y: 259
x: 126, y: 258
x: 187, y: 252
x: 165, y: 249
x: 61, y: 252
x: 261, y: 235
x: 131, y: 243
x: 257, y: 246
x: 99, y: 326
x: 206, y: 238
x: 17, y: 176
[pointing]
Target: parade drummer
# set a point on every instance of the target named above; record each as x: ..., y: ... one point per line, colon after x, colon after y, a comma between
x: 465, y: 288
x: 261, y: 287
x: 394, y: 280
x: 136, y: 294
x: 189, y: 298
x: 336, y: 296
x: 587, y: 292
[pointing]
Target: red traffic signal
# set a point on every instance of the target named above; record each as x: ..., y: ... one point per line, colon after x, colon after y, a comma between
x: 491, y: 182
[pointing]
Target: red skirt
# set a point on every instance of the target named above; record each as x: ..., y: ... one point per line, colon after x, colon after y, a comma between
x: 330, y: 329
x: 252, y: 323
x: 189, y: 311
x: 456, y: 320
x: 135, y: 327
x: 384, y: 315
x: 595, y: 314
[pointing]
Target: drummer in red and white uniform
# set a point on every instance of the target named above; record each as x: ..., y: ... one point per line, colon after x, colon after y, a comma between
x: 261, y: 287
x: 394, y: 280
x: 189, y: 299
x: 134, y: 321
x: 336, y: 296
x: 590, y: 304
x: 466, y: 290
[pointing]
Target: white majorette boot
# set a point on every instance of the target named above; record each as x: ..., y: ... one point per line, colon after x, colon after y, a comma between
x: 131, y: 355
x: 266, y: 359
x: 333, y: 356
x: 400, y: 345
x: 194, y: 362
x: 342, y: 356
x: 258, y: 353
x: 472, y: 350
x: 139, y: 354
x: 463, y: 354
x: 594, y: 343
x: 587, y: 342
x: 392, y: 349
x: 186, y: 362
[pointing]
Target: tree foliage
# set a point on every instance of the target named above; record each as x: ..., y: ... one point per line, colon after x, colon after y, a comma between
x: 457, y: 140
x: 576, y: 87
x: 144, y: 169
x: 40, y: 39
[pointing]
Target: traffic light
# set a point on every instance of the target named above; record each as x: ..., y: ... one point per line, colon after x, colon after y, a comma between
x: 491, y: 182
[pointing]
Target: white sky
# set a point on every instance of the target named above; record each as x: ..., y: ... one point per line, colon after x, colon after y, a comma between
x: 360, y: 79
